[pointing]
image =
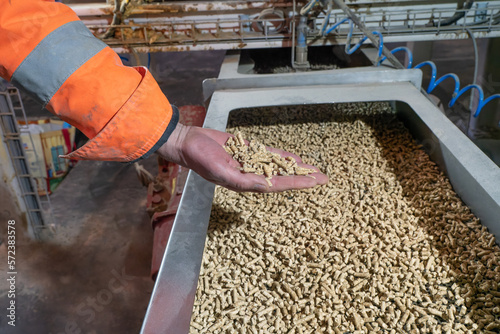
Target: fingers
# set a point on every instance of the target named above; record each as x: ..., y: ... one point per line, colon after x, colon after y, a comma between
x: 284, y: 153
x: 232, y: 178
x: 235, y: 180
x: 222, y: 137
x: 282, y: 183
x: 257, y: 183
x: 303, y: 165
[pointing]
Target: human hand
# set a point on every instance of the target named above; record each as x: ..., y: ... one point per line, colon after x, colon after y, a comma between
x: 202, y: 151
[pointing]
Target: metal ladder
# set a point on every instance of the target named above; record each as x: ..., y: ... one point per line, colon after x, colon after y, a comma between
x: 38, y: 210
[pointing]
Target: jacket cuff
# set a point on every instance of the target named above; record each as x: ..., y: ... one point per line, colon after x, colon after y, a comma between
x: 170, y: 128
x: 146, y: 119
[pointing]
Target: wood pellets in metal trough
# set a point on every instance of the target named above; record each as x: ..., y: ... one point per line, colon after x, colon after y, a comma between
x: 401, y: 240
x: 386, y: 246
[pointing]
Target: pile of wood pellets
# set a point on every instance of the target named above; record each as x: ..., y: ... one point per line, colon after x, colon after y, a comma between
x: 387, y: 246
x: 256, y: 158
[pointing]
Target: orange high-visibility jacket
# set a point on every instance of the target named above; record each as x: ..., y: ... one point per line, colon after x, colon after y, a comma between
x: 47, y: 51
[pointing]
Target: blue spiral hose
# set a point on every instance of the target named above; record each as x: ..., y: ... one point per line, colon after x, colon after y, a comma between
x: 434, y: 82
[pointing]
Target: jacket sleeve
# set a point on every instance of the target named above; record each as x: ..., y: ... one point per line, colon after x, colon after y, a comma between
x: 48, y: 52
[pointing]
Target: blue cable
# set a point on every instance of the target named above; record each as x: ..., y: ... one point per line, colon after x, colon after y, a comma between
x: 380, y: 43
x: 335, y: 26
x: 456, y: 95
x: 457, y: 92
x: 348, y: 48
x: 434, y: 83
x: 402, y: 48
x: 481, y: 103
x: 485, y: 102
x: 327, y: 19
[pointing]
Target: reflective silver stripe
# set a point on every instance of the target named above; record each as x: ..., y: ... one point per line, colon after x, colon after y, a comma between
x: 55, y: 58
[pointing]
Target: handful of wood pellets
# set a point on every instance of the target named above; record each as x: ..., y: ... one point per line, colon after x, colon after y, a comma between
x: 255, y: 158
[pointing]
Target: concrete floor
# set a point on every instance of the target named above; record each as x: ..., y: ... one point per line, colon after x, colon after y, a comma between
x: 92, y: 274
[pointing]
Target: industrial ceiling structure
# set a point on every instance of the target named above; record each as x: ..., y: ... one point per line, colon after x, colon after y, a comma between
x: 209, y: 25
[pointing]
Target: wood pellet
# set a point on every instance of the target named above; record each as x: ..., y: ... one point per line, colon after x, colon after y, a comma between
x: 256, y: 158
x: 387, y: 246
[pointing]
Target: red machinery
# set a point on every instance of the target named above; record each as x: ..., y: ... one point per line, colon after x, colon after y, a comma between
x: 164, y: 194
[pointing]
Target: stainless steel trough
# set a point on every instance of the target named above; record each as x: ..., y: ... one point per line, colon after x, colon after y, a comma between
x: 473, y: 175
